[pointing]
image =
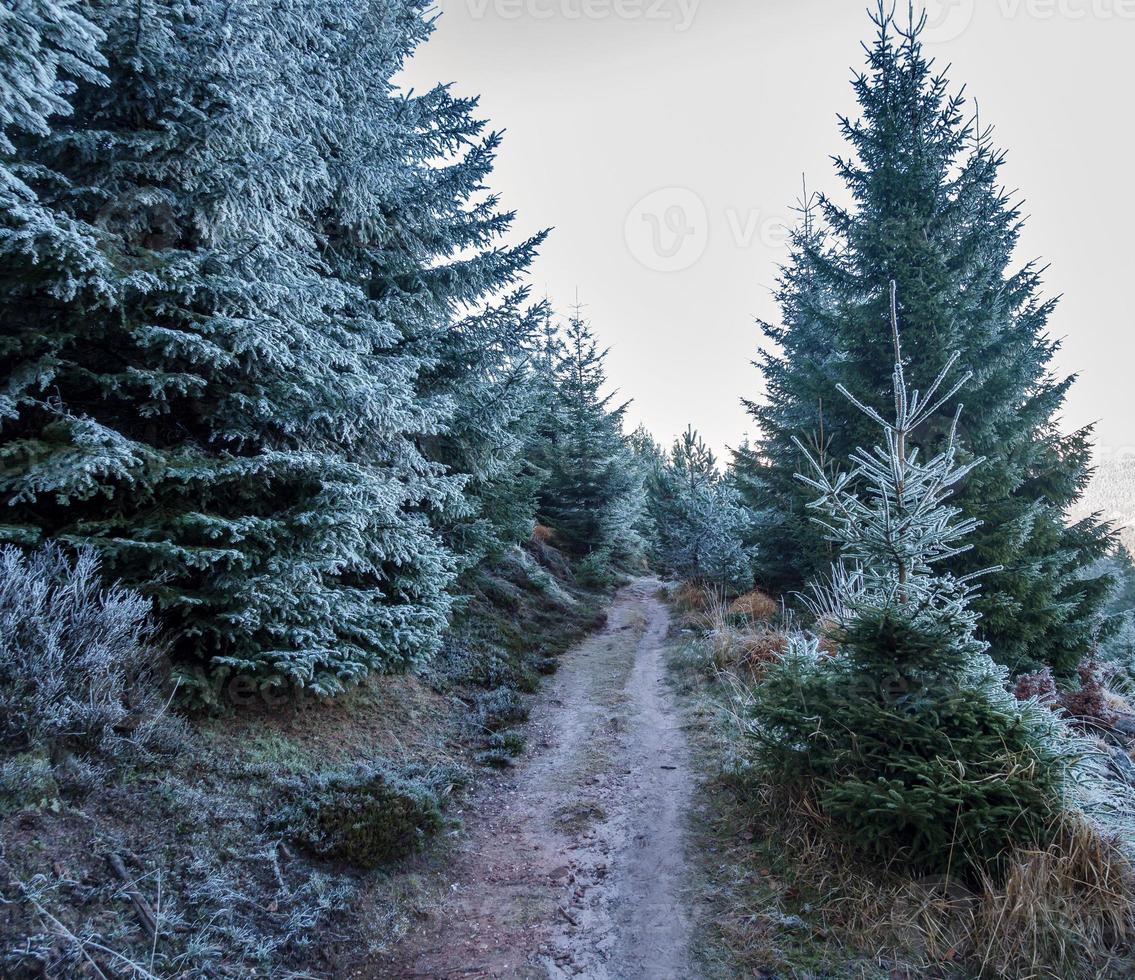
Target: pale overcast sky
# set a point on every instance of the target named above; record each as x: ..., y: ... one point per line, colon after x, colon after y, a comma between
x: 630, y: 120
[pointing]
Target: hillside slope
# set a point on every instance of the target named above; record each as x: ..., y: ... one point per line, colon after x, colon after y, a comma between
x: 273, y: 836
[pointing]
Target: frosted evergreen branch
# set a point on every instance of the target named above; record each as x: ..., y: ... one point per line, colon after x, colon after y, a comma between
x: 865, y: 409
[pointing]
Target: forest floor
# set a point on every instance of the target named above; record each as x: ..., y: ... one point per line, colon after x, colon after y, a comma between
x: 575, y: 862
x: 189, y: 861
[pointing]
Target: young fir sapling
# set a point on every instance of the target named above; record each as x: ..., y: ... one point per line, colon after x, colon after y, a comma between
x: 908, y: 740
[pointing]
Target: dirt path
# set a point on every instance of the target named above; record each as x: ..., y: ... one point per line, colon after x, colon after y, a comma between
x: 574, y: 864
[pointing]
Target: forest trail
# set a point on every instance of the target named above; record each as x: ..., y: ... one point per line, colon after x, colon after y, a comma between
x: 574, y: 863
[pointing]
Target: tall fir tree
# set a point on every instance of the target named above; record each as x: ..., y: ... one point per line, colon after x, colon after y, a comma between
x: 805, y: 360
x: 549, y: 416
x: 928, y: 210
x: 465, y: 313
x: 592, y: 496
x: 236, y: 279
x: 700, y: 524
x: 907, y: 739
x: 1119, y: 648
x: 649, y: 460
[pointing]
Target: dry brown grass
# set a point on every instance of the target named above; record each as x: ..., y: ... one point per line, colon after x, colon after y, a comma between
x: 1064, y: 912
x: 693, y: 599
x: 738, y: 632
x: 830, y: 633
x: 793, y: 898
x: 751, y: 652
x: 755, y: 605
x: 1069, y: 907
x: 544, y: 534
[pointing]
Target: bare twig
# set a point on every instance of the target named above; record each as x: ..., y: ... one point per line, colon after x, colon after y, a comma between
x: 567, y: 915
x: 141, y: 906
x: 61, y: 929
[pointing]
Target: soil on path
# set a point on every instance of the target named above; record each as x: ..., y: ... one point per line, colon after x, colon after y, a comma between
x: 574, y: 864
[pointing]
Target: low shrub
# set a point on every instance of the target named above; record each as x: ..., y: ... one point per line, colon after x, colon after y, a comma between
x: 499, y: 709
x: 503, y: 748
x: 1059, y: 911
x: 1090, y: 702
x: 27, y: 781
x: 937, y: 775
x: 491, y: 667
x: 365, y: 816
x: 511, y: 743
x: 546, y: 666
x: 78, y: 659
x: 1039, y: 686
x: 596, y: 571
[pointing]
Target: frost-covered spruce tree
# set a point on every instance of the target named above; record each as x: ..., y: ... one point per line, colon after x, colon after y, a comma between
x: 927, y: 209
x: 549, y: 420
x: 699, y: 521
x: 799, y: 374
x: 411, y: 219
x: 907, y: 738
x: 433, y: 248
x: 649, y: 459
x: 196, y: 385
x: 592, y: 496
x: 496, y: 410
x: 46, y: 50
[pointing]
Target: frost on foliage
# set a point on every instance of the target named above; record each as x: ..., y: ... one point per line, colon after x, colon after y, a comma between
x: 700, y: 524
x: 365, y: 816
x: 591, y: 493
x: 267, y: 348
x: 78, y: 660
x: 923, y: 202
x: 45, y: 47
x: 889, y: 513
x: 908, y: 737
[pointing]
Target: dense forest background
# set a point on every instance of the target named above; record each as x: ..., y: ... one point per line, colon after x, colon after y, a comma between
x: 281, y: 415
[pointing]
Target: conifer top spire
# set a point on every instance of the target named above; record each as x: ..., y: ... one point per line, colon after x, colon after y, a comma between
x: 928, y: 211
